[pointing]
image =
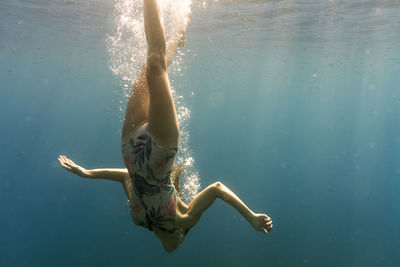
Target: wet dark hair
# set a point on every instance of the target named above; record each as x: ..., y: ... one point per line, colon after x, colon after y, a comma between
x: 176, y: 172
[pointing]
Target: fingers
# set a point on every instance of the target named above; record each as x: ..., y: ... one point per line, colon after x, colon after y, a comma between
x: 265, y: 231
x: 62, y: 159
x: 64, y: 165
x: 268, y: 223
x: 64, y: 162
x: 70, y: 162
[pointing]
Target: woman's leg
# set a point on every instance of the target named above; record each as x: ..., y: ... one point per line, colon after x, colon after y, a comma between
x: 137, y: 111
x: 163, y: 123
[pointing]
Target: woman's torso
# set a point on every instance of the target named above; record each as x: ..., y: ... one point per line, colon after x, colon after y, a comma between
x: 154, y: 198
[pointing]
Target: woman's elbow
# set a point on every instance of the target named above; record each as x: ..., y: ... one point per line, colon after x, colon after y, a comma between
x: 217, y: 188
x: 220, y: 191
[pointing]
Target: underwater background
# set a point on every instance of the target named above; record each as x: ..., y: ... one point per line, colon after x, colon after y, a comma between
x: 294, y: 105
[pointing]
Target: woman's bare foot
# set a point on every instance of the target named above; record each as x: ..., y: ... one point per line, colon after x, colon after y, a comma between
x: 261, y: 223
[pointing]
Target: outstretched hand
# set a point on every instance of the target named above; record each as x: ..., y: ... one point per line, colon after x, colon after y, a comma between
x: 71, y: 166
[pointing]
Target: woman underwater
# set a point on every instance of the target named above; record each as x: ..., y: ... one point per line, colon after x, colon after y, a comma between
x: 150, y: 136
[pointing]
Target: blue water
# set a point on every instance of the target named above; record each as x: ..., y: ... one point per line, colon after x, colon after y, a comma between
x: 295, y: 106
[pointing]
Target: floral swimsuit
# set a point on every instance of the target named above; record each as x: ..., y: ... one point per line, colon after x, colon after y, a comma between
x: 153, y: 197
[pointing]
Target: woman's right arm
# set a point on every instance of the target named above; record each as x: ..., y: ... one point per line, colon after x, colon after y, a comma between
x: 111, y: 174
x: 119, y: 175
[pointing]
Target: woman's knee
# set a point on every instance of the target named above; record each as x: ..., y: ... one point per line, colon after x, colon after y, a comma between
x: 156, y: 64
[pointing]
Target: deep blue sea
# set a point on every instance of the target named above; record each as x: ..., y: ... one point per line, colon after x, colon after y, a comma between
x: 294, y: 105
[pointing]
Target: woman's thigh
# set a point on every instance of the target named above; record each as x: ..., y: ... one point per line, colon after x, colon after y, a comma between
x: 163, y: 123
x: 137, y: 110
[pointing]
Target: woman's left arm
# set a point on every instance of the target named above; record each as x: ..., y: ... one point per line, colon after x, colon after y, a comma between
x: 260, y: 222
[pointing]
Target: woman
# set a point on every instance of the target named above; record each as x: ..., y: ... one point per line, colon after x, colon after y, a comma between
x: 149, y: 145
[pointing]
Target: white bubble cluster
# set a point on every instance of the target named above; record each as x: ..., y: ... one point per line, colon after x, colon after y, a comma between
x: 191, y: 183
x: 127, y: 44
x: 127, y: 51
